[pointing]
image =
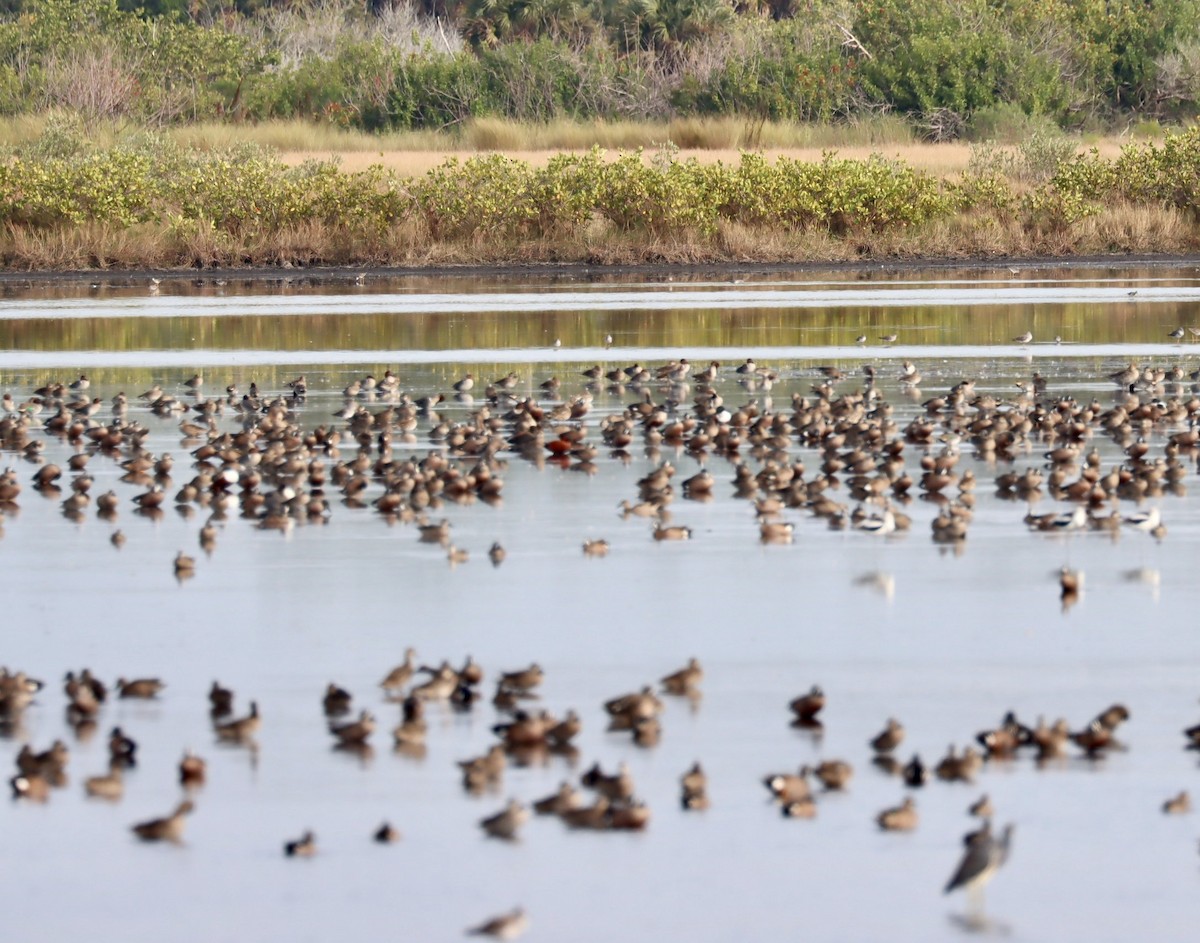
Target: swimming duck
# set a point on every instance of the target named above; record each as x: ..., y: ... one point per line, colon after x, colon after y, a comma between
x: 303, y: 847
x: 169, y: 828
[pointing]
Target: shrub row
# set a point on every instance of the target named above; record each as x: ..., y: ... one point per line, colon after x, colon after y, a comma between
x: 149, y: 180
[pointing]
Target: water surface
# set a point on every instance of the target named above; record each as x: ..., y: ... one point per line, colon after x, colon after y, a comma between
x: 959, y: 638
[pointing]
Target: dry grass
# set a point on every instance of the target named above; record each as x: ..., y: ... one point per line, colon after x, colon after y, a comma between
x: 946, y: 160
x: 941, y: 159
x: 415, y: 152
x: 1118, y: 229
x: 1138, y: 229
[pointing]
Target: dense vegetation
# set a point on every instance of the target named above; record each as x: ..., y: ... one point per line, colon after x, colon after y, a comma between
x: 951, y: 66
x: 149, y: 202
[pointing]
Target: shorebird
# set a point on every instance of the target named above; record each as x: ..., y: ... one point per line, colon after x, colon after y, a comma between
x: 880, y: 526
x: 1145, y: 521
x: 1023, y: 338
x: 1177, y: 334
x: 984, y: 856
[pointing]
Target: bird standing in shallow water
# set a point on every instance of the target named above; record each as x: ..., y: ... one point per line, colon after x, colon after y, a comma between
x: 984, y: 855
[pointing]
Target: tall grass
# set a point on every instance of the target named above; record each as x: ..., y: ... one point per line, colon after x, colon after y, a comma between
x: 297, y: 135
x: 496, y: 134
x: 717, y: 133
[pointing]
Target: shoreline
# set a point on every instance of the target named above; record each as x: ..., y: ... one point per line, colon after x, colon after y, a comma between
x: 584, y: 270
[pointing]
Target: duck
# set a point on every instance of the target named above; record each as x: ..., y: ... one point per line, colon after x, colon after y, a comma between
x: 565, y: 798
x: 243, y: 729
x: 617, y: 787
x: 594, y: 816
x: 399, y: 676
x: 507, y: 926
x: 685, y: 680
x: 889, y: 738
x: 981, y: 808
x: 122, y: 750
x: 169, y: 828
x: 834, y: 774
x: 356, y: 732
x: 694, y: 782
x: 523, y: 680
x: 145, y: 688
x: 109, y: 786
x: 336, y: 700
x: 303, y: 847
x: 803, y: 808
x: 192, y: 770
x: 220, y: 700
x: 33, y: 787
x: 902, y: 818
x: 673, y: 532
x: 806, y: 707
x: 789, y: 787
x: 507, y: 822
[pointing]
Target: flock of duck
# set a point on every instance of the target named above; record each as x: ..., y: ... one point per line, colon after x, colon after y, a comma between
x: 525, y: 735
x: 266, y: 465
x: 835, y: 454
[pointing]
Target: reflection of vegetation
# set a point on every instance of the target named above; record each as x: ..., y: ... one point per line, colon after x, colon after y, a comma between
x: 682, y: 329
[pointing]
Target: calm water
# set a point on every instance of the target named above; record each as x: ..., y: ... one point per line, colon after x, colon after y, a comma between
x: 958, y: 639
